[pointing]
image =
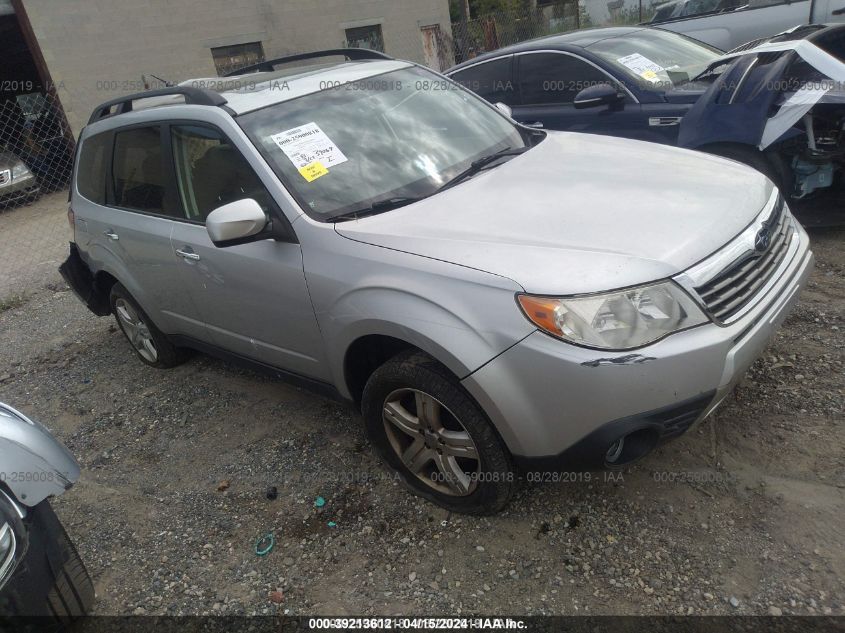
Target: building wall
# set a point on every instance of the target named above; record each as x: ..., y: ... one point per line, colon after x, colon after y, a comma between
x: 99, y: 49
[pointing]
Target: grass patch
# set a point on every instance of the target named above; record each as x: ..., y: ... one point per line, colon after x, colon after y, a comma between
x: 13, y: 301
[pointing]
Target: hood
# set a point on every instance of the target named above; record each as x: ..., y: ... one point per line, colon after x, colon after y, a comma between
x: 763, y: 92
x: 579, y: 213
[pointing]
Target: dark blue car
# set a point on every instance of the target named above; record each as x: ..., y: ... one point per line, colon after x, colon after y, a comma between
x: 779, y: 109
x: 624, y: 81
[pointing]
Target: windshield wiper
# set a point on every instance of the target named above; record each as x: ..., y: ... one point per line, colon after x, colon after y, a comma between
x: 377, y: 207
x: 395, y: 202
x: 480, y: 163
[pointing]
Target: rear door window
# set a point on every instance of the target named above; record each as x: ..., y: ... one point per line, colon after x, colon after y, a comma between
x: 139, y: 170
x: 92, y: 168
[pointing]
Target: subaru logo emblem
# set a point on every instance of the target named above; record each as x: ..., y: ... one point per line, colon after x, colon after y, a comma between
x: 762, y: 240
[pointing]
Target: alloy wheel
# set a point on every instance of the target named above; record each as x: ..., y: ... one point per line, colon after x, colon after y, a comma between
x: 136, y: 330
x: 431, y: 442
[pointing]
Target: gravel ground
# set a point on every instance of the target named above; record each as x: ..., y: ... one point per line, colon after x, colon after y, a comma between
x: 743, y: 514
x: 33, y: 242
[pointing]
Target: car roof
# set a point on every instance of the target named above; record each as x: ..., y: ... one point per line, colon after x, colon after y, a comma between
x: 250, y: 92
x: 565, y: 41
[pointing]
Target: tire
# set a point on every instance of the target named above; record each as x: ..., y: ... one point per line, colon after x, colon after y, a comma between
x: 440, y: 443
x: 51, y: 581
x: 754, y: 159
x: 149, y: 343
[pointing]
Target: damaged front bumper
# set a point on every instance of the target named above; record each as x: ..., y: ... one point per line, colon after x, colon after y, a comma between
x: 562, y: 407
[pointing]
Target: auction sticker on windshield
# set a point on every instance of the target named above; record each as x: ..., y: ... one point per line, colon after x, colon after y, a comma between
x: 310, y: 150
x: 642, y: 66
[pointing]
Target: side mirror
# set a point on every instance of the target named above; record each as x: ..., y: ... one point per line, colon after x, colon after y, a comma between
x: 598, y: 95
x: 504, y: 109
x: 236, y: 223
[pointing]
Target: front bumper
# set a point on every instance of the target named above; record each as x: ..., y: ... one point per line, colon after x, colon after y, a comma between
x: 21, y: 190
x: 557, y: 405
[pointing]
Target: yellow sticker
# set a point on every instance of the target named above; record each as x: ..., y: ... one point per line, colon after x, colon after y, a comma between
x: 312, y: 171
x: 649, y: 74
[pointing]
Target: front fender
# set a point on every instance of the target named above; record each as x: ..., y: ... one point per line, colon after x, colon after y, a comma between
x: 33, y: 464
x: 463, y: 325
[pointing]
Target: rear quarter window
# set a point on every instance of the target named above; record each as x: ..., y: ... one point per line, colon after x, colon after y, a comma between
x: 91, y: 169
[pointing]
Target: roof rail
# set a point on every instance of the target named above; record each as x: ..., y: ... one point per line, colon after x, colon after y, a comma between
x: 193, y: 96
x: 349, y: 53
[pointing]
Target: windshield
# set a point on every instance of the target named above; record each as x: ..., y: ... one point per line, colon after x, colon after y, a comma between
x: 667, y: 11
x: 403, y: 134
x: 656, y: 59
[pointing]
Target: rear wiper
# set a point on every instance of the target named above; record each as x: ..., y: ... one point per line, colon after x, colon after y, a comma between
x: 377, y: 207
x: 480, y: 163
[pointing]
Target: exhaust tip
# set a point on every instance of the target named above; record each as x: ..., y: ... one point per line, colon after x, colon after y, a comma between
x: 630, y: 448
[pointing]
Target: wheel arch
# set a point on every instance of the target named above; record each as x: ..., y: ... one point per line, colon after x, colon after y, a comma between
x: 366, y: 352
x: 26, y: 446
x: 463, y: 328
x: 108, y: 269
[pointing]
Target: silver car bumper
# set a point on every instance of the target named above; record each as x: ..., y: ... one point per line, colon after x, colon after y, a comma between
x: 552, y: 401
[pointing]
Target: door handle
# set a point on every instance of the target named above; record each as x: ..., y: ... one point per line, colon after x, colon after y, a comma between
x: 838, y: 11
x: 111, y: 235
x: 664, y: 121
x: 534, y: 124
x: 187, y: 255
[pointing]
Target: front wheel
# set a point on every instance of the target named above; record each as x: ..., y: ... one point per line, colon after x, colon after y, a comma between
x: 426, y: 427
x: 51, y: 580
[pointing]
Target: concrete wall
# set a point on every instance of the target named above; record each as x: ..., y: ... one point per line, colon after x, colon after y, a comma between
x: 99, y: 49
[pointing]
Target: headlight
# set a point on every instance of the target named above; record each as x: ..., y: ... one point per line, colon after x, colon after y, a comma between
x: 20, y: 171
x: 616, y: 320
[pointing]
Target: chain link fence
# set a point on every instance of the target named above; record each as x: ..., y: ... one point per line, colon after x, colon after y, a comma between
x: 495, y: 30
x: 36, y: 159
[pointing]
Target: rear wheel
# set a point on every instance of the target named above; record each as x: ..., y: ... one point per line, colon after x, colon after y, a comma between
x: 150, y: 344
x: 434, y: 435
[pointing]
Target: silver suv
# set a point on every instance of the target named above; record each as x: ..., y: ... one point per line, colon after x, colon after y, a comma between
x: 494, y: 298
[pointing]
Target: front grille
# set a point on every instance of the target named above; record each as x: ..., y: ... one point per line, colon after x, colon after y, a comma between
x: 5, y: 177
x: 733, y: 288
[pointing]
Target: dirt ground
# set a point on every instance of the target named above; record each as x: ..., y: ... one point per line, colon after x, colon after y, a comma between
x: 33, y: 242
x: 744, y: 514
